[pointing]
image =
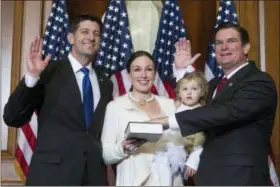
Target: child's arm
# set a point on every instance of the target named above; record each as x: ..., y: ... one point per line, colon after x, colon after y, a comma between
x: 194, y: 158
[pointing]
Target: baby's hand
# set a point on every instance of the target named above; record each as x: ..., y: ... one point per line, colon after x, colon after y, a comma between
x: 189, y: 172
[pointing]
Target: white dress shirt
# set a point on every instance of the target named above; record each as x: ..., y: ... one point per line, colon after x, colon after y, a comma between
x: 76, y: 66
x: 179, y: 73
x: 173, y: 124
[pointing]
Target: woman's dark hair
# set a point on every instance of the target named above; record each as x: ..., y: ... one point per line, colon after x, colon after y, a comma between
x: 136, y: 55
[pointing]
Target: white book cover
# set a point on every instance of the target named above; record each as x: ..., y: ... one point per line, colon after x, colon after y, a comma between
x: 144, y: 130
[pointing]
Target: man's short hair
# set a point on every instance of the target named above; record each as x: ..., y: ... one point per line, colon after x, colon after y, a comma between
x: 244, y: 36
x: 74, y: 23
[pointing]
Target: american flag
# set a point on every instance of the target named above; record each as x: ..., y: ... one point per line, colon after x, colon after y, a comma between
x: 55, y: 37
x: 116, y: 46
x: 171, y: 28
x: 54, y: 42
x: 227, y: 14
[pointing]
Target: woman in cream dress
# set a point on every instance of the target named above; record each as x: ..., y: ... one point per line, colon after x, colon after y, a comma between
x: 134, y: 168
x: 135, y: 165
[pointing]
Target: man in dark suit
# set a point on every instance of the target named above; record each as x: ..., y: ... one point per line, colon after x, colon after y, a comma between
x: 70, y: 99
x: 238, y: 119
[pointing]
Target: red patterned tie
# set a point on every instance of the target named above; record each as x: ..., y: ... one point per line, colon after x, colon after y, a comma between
x: 221, y: 84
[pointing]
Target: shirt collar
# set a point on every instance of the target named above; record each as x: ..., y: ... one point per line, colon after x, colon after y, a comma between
x: 183, y: 107
x: 234, y: 71
x: 76, y: 64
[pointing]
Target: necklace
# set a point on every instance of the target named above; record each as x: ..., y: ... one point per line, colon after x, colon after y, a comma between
x: 141, y: 102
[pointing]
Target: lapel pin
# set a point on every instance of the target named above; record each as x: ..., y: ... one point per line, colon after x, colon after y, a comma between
x: 101, y: 80
x: 230, y: 84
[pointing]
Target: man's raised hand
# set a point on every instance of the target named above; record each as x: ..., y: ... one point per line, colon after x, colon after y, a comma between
x: 183, y: 57
x: 35, y: 63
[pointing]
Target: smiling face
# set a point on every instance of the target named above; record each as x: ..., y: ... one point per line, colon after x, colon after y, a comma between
x: 190, y: 92
x: 229, y: 50
x: 86, y: 40
x: 142, y: 74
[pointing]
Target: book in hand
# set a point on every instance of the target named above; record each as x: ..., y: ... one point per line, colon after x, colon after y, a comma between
x: 149, y: 131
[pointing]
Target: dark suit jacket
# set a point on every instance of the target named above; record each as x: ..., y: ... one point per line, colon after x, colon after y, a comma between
x: 238, y: 124
x: 63, y: 144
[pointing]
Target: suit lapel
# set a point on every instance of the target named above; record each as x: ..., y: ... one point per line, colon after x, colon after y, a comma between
x: 212, y: 86
x: 72, y: 94
x: 224, y: 88
x: 102, y: 101
x: 102, y: 88
x: 235, y: 79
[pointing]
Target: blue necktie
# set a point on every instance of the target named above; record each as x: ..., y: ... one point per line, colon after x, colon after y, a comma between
x: 87, y: 97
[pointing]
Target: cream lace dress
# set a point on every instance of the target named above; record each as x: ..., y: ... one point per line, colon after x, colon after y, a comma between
x: 138, y: 169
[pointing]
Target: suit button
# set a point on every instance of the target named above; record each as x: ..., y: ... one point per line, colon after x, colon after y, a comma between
x: 85, y: 153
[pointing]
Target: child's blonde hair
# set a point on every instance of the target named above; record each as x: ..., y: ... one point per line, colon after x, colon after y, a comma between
x: 193, y: 76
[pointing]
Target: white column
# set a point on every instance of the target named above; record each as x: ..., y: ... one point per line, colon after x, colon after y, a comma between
x: 6, y: 62
x: 262, y: 35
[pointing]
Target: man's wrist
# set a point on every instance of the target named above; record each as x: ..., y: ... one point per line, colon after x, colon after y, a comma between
x: 30, y: 81
x: 37, y: 76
